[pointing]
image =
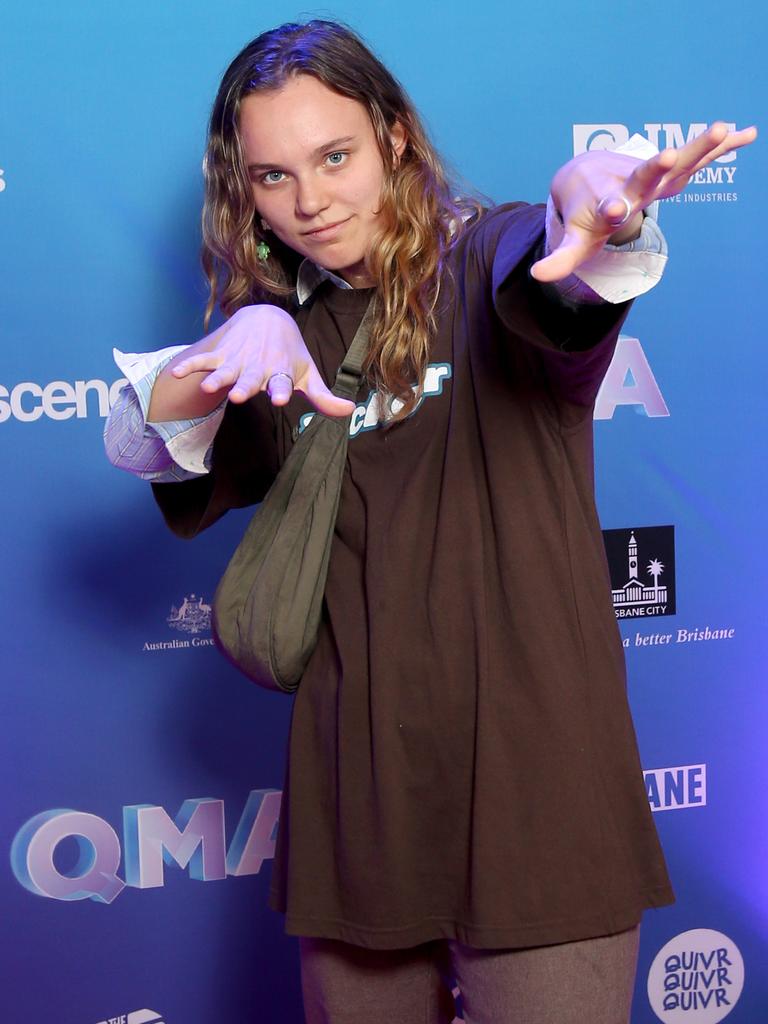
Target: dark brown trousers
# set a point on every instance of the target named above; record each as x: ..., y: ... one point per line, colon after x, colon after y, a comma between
x: 586, y: 982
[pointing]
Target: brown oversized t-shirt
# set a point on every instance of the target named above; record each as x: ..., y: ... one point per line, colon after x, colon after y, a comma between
x: 462, y: 762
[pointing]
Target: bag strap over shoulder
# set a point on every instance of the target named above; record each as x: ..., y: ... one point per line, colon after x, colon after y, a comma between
x: 350, y: 373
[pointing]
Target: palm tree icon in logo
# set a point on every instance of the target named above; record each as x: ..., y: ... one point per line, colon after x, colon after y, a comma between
x: 655, y: 568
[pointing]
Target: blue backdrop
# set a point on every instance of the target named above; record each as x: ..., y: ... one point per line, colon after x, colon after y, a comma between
x: 120, y: 724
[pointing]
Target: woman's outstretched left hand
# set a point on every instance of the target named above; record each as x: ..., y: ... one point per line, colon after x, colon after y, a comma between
x: 589, y: 193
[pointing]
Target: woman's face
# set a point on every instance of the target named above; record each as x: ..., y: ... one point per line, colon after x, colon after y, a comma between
x: 316, y: 172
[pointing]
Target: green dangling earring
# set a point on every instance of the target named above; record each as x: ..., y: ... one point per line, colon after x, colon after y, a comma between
x: 262, y: 251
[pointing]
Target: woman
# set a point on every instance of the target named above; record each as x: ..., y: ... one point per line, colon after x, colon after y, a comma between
x: 464, y: 797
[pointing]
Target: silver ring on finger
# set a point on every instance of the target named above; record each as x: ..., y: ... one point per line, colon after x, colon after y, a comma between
x: 627, y: 210
x: 279, y: 373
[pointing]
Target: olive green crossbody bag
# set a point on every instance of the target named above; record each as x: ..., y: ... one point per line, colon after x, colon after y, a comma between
x: 268, y: 605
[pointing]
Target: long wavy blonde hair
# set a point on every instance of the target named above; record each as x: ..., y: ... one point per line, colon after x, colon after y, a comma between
x: 420, y: 219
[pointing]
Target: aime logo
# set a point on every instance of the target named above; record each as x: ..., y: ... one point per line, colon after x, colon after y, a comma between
x: 697, y: 978
x: 135, y: 1017
x: 715, y: 183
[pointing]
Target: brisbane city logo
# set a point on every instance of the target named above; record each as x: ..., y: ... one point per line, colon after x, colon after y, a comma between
x: 642, y: 566
x: 641, y: 562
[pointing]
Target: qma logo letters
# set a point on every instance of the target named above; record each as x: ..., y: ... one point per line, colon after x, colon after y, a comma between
x: 59, y: 400
x: 629, y: 381
x: 673, y: 789
x: 196, y: 839
x: 697, y: 976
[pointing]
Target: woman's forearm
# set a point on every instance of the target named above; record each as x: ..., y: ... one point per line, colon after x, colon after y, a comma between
x: 175, y: 398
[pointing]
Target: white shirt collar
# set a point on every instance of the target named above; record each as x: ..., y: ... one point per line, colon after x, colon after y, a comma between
x: 310, y: 276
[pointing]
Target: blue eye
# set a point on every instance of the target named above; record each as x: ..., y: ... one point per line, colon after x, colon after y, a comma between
x: 336, y: 158
x: 272, y: 177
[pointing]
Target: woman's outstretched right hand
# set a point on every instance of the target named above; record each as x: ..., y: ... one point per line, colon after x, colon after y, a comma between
x: 259, y: 348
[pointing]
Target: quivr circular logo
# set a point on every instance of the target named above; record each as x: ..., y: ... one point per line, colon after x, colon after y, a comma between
x: 696, y: 978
